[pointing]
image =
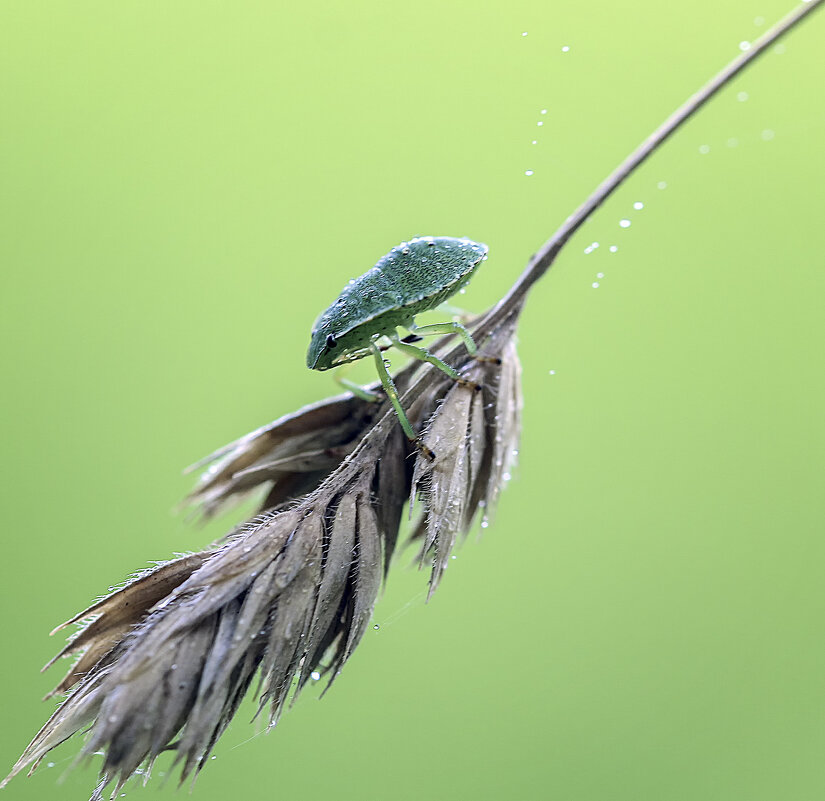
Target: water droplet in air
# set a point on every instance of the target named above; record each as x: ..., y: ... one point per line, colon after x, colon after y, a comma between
x: 315, y: 675
x: 638, y: 205
x: 612, y: 248
x: 743, y: 46
x: 528, y: 172
x: 565, y: 49
x: 624, y: 223
x: 661, y: 185
x: 595, y: 285
x: 767, y: 135
x: 704, y: 149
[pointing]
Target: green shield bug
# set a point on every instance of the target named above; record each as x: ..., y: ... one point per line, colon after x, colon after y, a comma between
x: 413, y: 277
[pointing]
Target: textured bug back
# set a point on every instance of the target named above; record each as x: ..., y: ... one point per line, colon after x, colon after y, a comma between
x: 413, y: 277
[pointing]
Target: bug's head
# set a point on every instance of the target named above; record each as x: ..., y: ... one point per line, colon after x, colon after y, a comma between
x: 325, y: 349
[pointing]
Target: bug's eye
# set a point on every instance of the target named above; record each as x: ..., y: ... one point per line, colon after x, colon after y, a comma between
x: 331, y: 341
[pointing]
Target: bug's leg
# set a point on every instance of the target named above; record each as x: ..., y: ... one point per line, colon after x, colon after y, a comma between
x: 392, y: 393
x: 358, y: 390
x: 448, y: 328
x: 355, y: 389
x: 425, y: 356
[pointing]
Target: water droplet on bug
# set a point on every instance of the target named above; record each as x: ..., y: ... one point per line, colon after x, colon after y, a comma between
x: 351, y: 281
x: 638, y: 205
x: 565, y: 49
x: 595, y: 285
x: 704, y: 149
x: 315, y: 675
x: 767, y: 135
x: 406, y: 251
x: 661, y: 185
x: 528, y: 172
x: 741, y: 96
x: 744, y: 46
x: 624, y: 223
x: 612, y: 248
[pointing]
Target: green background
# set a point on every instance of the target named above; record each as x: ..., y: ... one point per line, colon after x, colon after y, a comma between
x: 186, y: 185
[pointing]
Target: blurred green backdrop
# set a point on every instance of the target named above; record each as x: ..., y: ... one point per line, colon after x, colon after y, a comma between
x: 185, y: 185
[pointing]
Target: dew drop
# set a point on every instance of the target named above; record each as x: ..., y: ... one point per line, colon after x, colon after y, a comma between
x: 612, y: 248
x: 767, y: 135
x: 595, y: 285
x: 214, y: 756
x: 524, y: 34
x: 485, y: 523
x: 588, y: 249
x: 453, y: 556
x: 50, y: 764
x: 552, y: 372
x: 535, y: 141
x: 528, y: 172
x: 638, y: 205
x: 661, y: 185
x: 624, y: 223
x: 744, y: 46
x: 539, y: 123
x: 315, y: 675
x: 704, y: 149
x: 543, y: 111
x: 594, y: 245
x: 599, y: 275
x: 742, y: 96
x: 732, y: 142
x: 376, y: 627
x: 565, y: 49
